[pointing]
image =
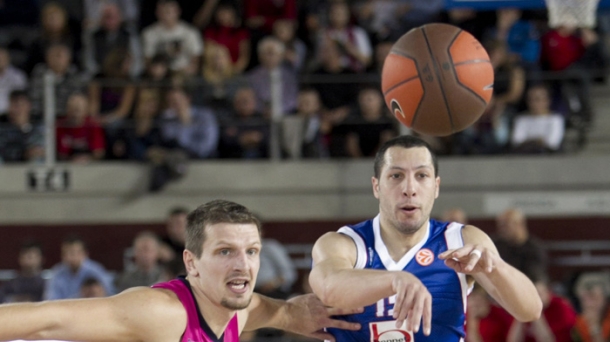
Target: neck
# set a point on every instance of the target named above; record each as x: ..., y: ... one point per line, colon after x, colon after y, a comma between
x: 399, y: 243
x: 169, y: 25
x: 215, y: 315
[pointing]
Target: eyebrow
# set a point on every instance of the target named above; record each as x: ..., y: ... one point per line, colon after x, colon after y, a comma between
x: 419, y: 167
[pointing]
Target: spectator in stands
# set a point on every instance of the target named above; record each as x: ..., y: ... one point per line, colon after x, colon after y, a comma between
x: 485, y: 320
x: 382, y: 18
x: 54, y: 30
x: 246, y: 133
x: 95, y: 13
x: 69, y: 275
x: 228, y: 32
x: 20, y: 139
x: 28, y: 285
x: 144, y: 136
x: 516, y: 246
x: 145, y: 270
x: 92, y: 288
x: 382, y: 50
x: 556, y: 322
x: 220, y: 80
x: 262, y: 14
x: 368, y: 127
x: 172, y: 244
x: 455, y: 215
x: 593, y: 322
x: 271, y: 54
x: 312, y: 130
x: 66, y: 78
x: 180, y: 41
x: 419, y: 13
x: 193, y: 130
x: 11, y: 79
x: 538, y: 130
x: 79, y: 137
x: 565, y: 45
x: 112, y: 34
x: 295, y: 50
x: 352, y: 41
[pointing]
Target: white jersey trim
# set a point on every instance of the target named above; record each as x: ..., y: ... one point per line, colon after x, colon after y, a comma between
x: 453, y: 236
x: 384, y: 255
x: 361, y: 256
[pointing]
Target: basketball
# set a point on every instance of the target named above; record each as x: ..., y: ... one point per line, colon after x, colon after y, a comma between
x: 437, y: 79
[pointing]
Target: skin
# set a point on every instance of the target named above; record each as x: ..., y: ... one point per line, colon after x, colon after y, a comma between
x: 406, y: 189
x: 230, y: 255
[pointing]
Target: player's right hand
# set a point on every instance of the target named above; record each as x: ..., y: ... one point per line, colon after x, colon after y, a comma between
x: 413, y: 302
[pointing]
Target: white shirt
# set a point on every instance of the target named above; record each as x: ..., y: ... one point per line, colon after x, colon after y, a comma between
x: 11, y: 79
x: 180, y: 43
x: 550, y: 128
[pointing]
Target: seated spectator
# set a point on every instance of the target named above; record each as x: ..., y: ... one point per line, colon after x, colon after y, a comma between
x: 79, y: 137
x: 94, y: 12
x: 20, y: 139
x: 172, y: 244
x: 28, y: 285
x: 262, y: 14
x: 311, y: 132
x: 67, y: 80
x: 11, y: 79
x: 180, y: 41
x: 145, y: 270
x: 193, y: 130
x: 539, y: 129
x: 271, y: 53
x: 486, y: 321
x: 382, y: 18
x: 565, y: 45
x: 227, y: 31
x: 516, y: 246
x: 68, y: 276
x: 112, y: 34
x: 172, y: 269
x: 369, y: 127
x: 220, y: 80
x: 246, y: 133
x: 295, y: 50
x: 555, y: 324
x: 92, y: 288
x: 55, y: 29
x: 593, y: 322
x: 352, y: 41
x: 143, y: 136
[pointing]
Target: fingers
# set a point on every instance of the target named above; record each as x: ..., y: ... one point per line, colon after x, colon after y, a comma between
x: 404, y: 310
x: 413, y: 301
x: 343, y: 325
x: 473, y: 258
x: 342, y: 312
x: 323, y: 336
x: 427, y: 316
x: 415, y: 316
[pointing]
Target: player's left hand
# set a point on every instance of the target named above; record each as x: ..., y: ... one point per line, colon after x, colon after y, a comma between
x: 308, y: 316
x: 471, y: 259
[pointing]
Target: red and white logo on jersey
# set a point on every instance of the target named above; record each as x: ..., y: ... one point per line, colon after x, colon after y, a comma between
x: 424, y: 257
x: 387, y: 332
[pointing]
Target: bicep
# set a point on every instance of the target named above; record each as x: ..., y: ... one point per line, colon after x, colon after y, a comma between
x: 331, y: 253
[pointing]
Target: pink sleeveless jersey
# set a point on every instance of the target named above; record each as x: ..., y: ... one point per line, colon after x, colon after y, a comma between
x: 197, y: 330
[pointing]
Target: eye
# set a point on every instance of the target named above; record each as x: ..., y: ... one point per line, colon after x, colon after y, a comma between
x: 422, y: 175
x: 252, y: 251
x: 224, y: 251
x: 396, y: 176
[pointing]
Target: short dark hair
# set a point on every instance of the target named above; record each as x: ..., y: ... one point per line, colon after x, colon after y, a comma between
x: 178, y: 211
x: 18, y: 94
x: 217, y: 211
x: 74, y: 239
x: 406, y: 141
x: 29, y: 245
x: 90, y: 281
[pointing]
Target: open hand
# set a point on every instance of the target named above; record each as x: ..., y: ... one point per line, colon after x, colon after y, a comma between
x: 470, y: 259
x: 413, y: 302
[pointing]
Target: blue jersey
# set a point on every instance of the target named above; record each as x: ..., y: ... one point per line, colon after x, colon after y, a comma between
x: 447, y: 287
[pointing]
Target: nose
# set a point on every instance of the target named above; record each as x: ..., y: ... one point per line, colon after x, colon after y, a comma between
x: 409, y: 187
x: 241, y: 262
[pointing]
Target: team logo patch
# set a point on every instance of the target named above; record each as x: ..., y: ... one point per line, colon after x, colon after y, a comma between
x: 424, y: 257
x: 387, y: 332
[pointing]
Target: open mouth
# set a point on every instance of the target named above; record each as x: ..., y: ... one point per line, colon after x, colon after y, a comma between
x: 238, y: 285
x: 409, y: 209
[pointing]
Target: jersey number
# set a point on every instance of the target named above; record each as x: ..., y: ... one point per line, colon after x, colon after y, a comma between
x: 383, y: 306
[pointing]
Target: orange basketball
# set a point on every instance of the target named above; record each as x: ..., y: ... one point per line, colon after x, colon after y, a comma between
x: 437, y: 79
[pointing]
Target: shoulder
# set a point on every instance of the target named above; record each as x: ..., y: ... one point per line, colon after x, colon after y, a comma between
x: 475, y: 236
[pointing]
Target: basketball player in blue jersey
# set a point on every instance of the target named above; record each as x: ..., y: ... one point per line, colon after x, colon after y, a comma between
x: 214, y: 302
x: 412, y: 274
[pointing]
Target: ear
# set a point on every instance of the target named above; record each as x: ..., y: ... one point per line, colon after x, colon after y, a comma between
x: 375, y: 183
x: 189, y: 263
x: 438, y: 186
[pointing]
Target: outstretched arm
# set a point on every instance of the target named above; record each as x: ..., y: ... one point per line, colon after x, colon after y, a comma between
x: 338, y: 284
x: 507, y: 285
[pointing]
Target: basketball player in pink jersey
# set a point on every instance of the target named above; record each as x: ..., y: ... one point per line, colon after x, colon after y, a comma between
x: 214, y: 302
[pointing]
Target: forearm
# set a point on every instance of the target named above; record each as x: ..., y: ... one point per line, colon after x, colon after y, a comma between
x: 365, y: 286
x: 542, y: 332
x: 514, y: 291
x: 27, y: 321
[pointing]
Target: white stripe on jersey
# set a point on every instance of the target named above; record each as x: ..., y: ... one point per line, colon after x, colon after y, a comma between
x: 453, y: 236
x: 360, y: 246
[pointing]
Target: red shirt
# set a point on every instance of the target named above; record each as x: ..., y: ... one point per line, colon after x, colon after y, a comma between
x: 495, y: 326
x: 230, y: 37
x: 561, y: 317
x: 85, y: 138
x: 271, y: 10
x: 559, y: 52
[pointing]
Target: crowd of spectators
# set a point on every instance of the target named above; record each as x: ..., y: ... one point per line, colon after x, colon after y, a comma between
x: 140, y: 80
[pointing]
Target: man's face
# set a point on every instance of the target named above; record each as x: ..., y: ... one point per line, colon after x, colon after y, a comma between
x: 244, y: 102
x: 76, y: 108
x: 111, y: 17
x: 168, y: 13
x: 271, y: 55
x: 406, y: 188
x: 510, y: 226
x: 19, y: 110
x: 226, y: 272
x: 58, y: 59
x: 146, y: 252
x: 30, y: 259
x: 73, y: 255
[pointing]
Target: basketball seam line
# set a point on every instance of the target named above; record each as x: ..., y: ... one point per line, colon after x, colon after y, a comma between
x: 399, y: 84
x: 438, y: 76
x: 472, y: 61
